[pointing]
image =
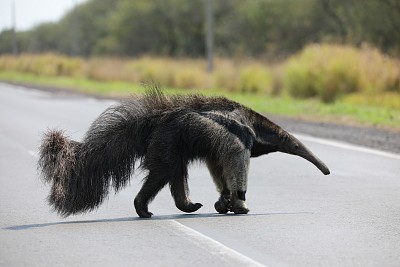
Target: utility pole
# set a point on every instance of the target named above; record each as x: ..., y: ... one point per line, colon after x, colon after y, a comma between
x: 209, y: 31
x: 74, y: 35
x: 14, y: 37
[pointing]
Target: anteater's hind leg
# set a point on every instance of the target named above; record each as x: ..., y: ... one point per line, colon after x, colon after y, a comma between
x: 160, y: 160
x: 166, y: 165
x: 180, y: 191
x: 155, y: 181
x: 223, y: 203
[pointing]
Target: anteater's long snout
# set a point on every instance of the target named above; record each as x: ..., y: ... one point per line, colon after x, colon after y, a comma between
x: 304, y: 152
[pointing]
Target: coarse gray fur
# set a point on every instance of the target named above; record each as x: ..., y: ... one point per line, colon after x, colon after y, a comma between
x: 164, y: 133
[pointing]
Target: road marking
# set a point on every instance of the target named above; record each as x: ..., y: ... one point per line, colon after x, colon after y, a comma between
x: 214, y: 246
x: 347, y: 146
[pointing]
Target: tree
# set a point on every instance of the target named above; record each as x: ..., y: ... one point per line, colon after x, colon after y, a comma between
x: 273, y: 28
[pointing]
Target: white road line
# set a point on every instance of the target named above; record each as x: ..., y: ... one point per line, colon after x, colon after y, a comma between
x: 347, y: 146
x: 214, y: 246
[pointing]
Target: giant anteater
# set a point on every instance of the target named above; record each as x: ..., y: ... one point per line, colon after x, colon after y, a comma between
x: 165, y: 133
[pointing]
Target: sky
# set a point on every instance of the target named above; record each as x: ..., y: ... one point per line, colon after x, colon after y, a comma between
x: 30, y: 13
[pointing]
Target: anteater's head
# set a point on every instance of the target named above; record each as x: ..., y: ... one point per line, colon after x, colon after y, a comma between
x: 291, y: 145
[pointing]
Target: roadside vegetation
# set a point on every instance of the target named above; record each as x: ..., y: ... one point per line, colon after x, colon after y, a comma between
x: 306, y: 58
x: 330, y: 82
x: 264, y: 28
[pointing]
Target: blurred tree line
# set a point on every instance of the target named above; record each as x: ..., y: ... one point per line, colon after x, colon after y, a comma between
x: 270, y: 28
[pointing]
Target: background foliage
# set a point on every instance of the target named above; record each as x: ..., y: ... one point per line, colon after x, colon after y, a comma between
x: 326, y: 72
x: 342, y: 55
x: 269, y: 28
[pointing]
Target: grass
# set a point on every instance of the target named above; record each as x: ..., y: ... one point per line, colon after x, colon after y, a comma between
x: 83, y: 85
x: 322, y: 82
x: 346, y: 110
x: 330, y: 72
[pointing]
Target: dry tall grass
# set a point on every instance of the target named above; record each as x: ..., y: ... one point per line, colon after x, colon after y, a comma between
x: 325, y: 71
x: 330, y: 71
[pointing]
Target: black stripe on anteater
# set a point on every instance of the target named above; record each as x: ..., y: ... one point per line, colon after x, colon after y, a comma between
x: 243, y: 132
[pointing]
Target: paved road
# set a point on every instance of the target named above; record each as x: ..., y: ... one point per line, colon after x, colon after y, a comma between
x: 298, y: 217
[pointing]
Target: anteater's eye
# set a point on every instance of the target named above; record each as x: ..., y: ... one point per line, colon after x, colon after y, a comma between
x: 296, y: 146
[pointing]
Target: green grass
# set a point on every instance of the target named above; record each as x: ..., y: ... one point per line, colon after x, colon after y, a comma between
x: 309, y: 109
x: 312, y: 109
x: 82, y: 85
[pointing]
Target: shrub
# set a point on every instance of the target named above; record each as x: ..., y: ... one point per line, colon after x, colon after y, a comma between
x: 326, y: 71
x: 255, y: 78
x: 330, y: 71
x: 378, y: 72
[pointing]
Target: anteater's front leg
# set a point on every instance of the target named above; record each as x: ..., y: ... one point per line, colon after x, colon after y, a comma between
x: 223, y: 204
x: 236, y: 171
x: 230, y: 177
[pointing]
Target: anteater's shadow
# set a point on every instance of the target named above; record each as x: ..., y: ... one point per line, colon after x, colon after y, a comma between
x: 154, y: 218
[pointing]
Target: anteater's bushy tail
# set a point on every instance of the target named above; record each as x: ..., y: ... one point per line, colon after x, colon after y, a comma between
x: 58, y: 164
x: 81, y: 173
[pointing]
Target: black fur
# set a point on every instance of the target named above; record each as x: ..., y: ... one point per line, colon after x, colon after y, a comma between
x: 165, y: 133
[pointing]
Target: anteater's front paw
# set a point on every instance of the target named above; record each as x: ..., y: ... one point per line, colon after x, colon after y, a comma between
x: 239, y: 207
x: 222, y: 205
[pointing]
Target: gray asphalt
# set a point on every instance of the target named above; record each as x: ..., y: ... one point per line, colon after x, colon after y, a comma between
x: 298, y: 217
